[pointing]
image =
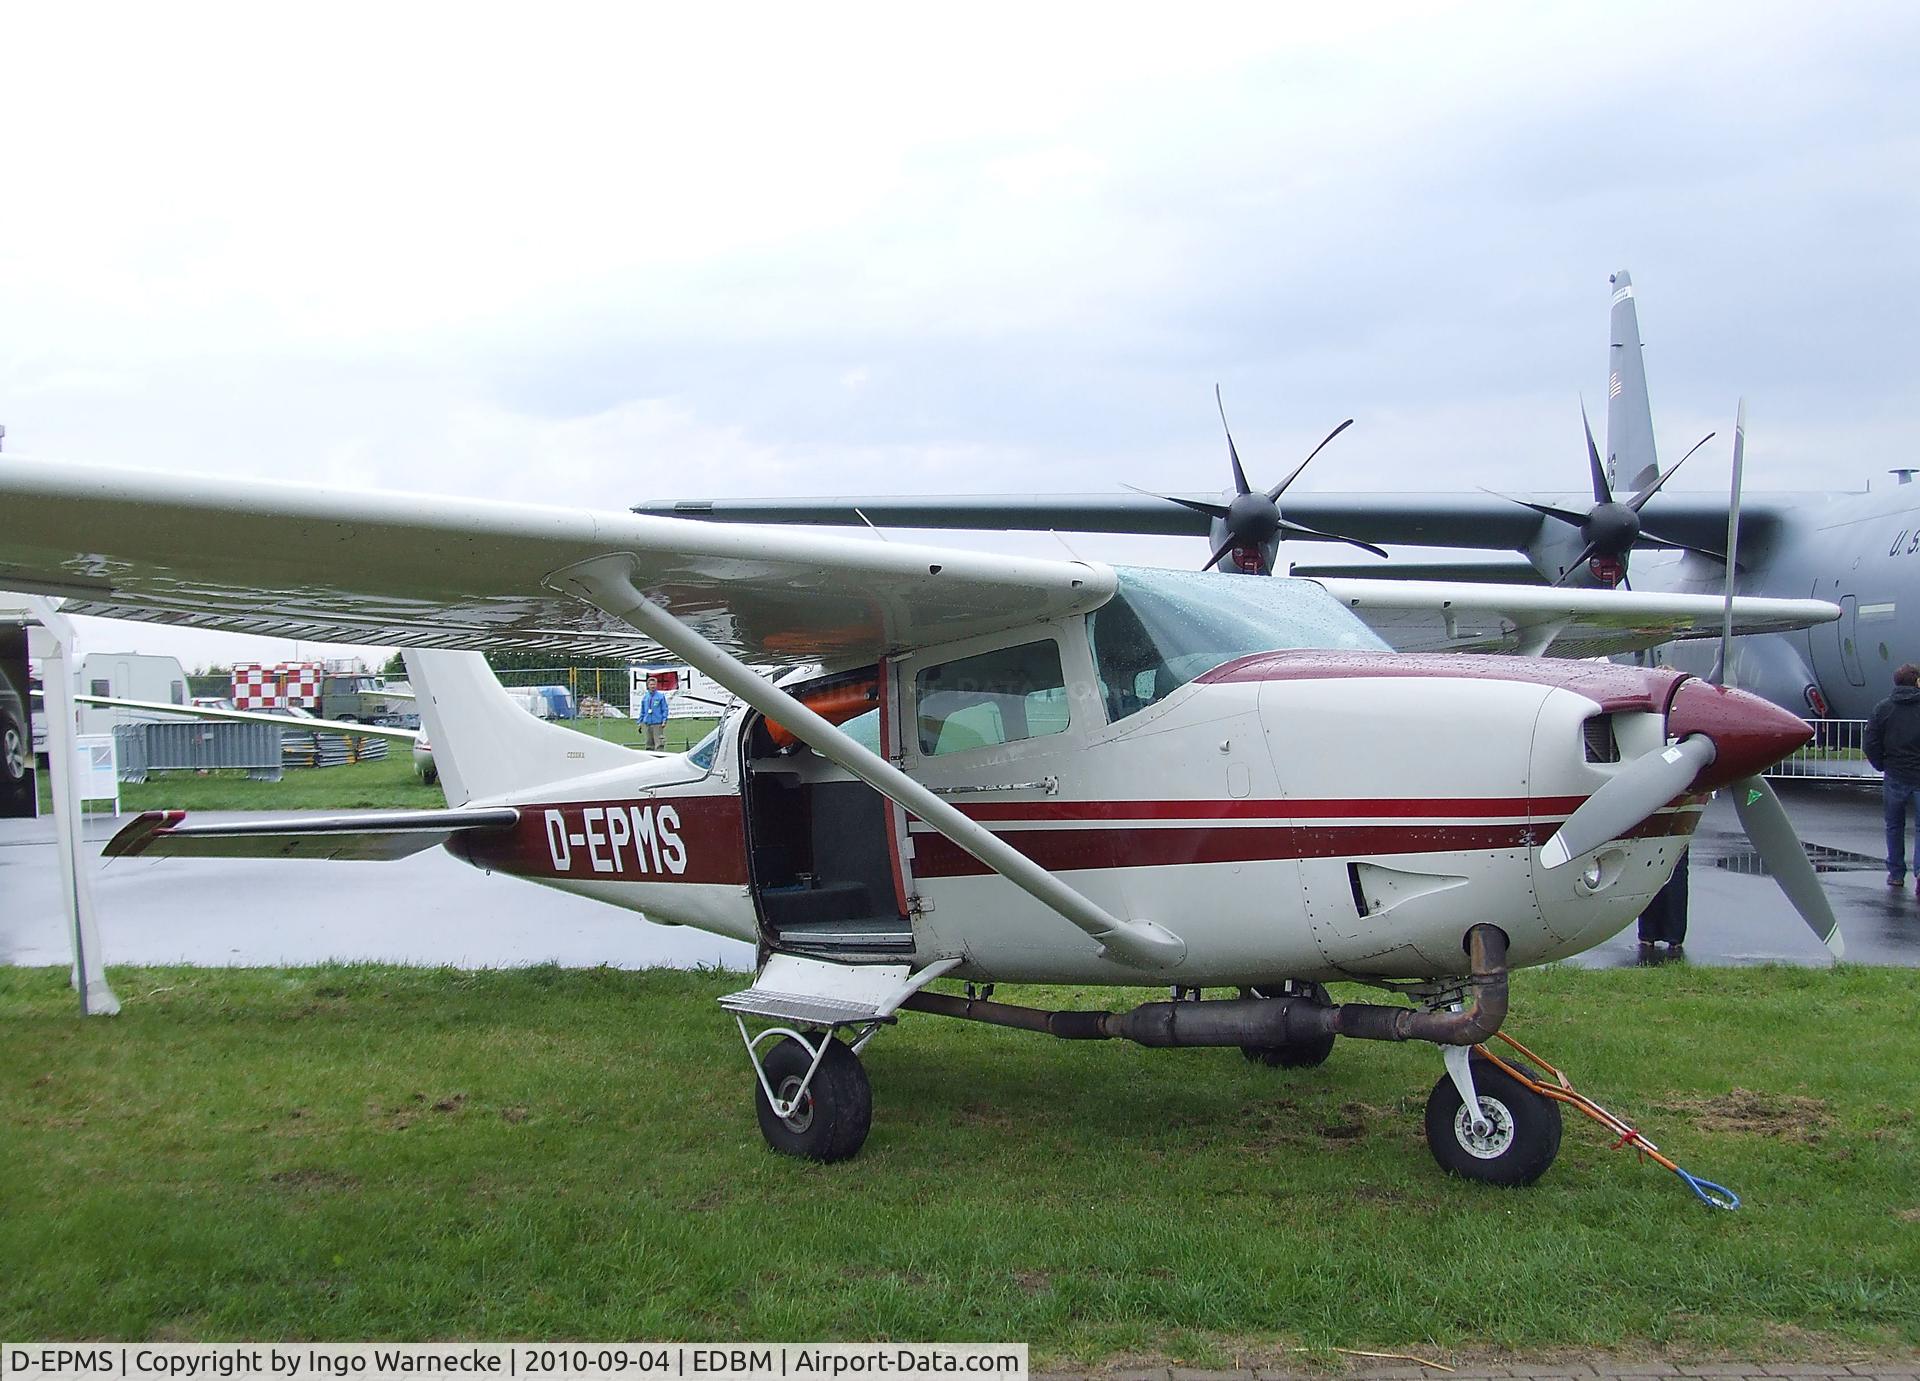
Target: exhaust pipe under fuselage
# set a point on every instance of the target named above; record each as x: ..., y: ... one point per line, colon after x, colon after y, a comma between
x: 1262, y: 1021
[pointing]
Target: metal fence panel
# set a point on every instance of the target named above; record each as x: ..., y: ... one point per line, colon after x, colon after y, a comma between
x: 1836, y: 754
x: 130, y: 749
x: 202, y: 746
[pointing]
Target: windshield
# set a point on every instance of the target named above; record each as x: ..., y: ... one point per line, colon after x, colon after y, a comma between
x: 1162, y: 629
x: 703, y: 752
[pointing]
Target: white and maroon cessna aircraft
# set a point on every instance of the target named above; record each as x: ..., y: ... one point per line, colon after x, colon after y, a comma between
x: 998, y: 769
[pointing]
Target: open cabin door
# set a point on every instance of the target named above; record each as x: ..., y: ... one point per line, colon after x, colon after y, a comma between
x: 824, y: 848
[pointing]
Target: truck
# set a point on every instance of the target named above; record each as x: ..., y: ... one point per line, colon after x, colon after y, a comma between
x: 329, y: 690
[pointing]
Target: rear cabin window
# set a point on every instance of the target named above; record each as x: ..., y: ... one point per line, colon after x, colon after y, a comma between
x: 1003, y: 696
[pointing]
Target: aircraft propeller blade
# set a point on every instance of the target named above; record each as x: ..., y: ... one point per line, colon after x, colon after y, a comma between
x: 1639, y: 501
x: 1766, y: 824
x: 1240, y: 485
x: 1220, y: 553
x: 1602, y: 491
x: 1761, y: 814
x: 1545, y: 510
x: 1281, y: 488
x: 1649, y: 535
x: 1636, y: 792
x: 1301, y: 529
x: 1585, y: 552
x: 1212, y: 510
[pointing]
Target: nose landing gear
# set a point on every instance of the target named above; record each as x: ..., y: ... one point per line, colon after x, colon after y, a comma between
x: 1512, y: 1142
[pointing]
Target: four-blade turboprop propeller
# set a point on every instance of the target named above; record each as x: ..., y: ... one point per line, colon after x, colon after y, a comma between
x: 1611, y: 529
x: 1249, y: 526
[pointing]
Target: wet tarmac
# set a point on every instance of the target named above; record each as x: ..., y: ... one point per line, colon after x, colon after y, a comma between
x: 427, y: 909
x: 1738, y: 915
x: 433, y: 909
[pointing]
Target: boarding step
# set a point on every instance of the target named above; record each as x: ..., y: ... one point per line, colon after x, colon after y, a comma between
x: 834, y: 938
x: 790, y: 988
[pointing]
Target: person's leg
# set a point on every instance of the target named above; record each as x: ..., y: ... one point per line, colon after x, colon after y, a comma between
x: 1913, y: 802
x: 1677, y: 903
x: 1894, y: 796
x: 657, y: 737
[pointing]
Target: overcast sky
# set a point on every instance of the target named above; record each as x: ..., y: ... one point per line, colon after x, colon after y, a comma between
x: 600, y: 255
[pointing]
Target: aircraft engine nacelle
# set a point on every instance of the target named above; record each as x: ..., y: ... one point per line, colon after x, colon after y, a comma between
x: 1486, y: 758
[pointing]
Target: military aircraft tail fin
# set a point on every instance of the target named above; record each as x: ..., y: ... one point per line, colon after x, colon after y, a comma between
x: 1631, y: 462
x: 484, y: 744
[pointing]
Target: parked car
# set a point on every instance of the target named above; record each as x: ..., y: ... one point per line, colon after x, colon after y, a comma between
x: 16, y: 739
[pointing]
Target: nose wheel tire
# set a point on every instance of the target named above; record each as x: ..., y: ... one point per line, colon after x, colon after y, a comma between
x: 1514, y: 1144
x: 831, y: 1120
x: 1294, y: 1054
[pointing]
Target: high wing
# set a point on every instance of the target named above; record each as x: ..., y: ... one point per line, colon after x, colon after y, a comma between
x: 378, y: 835
x: 351, y: 727
x: 412, y: 570
x: 1440, y: 519
x: 1434, y: 616
x: 300, y: 561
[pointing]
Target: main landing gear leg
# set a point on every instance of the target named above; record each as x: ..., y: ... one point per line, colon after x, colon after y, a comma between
x: 811, y: 1093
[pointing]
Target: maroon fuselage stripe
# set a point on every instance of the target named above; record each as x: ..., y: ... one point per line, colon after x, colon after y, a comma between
x: 1445, y: 808
x: 1070, y: 850
x: 709, y: 830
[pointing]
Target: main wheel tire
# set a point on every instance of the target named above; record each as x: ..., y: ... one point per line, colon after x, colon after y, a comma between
x: 1294, y: 1054
x: 1522, y: 1140
x: 834, y: 1116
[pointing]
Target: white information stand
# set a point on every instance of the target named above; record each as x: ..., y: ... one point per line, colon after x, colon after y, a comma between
x: 96, y: 772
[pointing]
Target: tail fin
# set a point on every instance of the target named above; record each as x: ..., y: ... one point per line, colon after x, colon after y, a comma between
x: 484, y: 744
x: 1631, y: 462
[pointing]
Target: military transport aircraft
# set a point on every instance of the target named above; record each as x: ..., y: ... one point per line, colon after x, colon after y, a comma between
x: 1858, y: 550
x: 998, y: 769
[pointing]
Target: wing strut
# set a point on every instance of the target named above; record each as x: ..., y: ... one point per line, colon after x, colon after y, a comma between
x: 606, y: 582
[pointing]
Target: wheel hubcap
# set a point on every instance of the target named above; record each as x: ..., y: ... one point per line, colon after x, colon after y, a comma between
x: 801, y: 1117
x: 1495, y: 1139
x: 15, y: 754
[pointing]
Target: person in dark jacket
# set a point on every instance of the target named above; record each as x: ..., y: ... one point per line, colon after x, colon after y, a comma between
x: 1893, y: 747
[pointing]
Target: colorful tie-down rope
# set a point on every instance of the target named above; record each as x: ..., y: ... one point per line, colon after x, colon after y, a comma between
x: 1563, y: 1091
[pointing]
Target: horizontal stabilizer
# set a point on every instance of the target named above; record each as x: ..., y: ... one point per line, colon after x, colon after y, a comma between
x: 366, y: 835
x: 305, y: 724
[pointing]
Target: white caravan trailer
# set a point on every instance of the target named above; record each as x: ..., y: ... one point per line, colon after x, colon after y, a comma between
x: 128, y: 676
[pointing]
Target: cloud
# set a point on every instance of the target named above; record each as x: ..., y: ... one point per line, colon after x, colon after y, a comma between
x: 624, y: 253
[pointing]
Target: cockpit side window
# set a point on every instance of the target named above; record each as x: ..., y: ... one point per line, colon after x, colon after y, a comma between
x: 1003, y: 696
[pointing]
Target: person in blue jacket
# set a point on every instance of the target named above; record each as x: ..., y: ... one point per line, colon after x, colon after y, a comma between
x: 652, y: 714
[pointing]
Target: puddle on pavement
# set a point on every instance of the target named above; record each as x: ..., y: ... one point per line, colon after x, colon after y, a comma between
x: 1824, y: 860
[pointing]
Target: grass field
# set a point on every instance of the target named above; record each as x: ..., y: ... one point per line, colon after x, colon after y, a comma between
x: 389, y: 784
x: 370, y: 1152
